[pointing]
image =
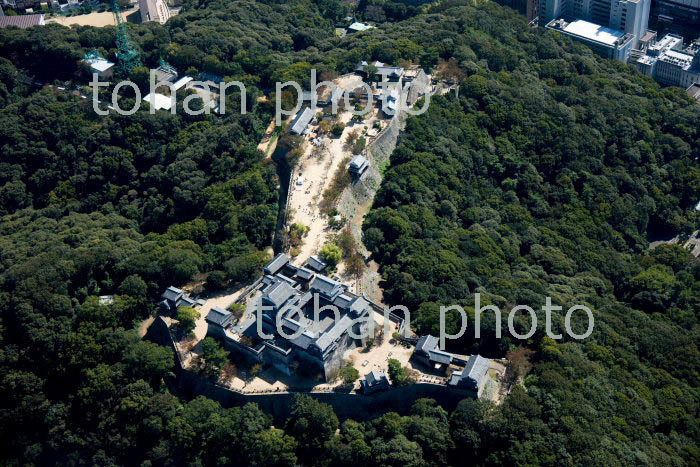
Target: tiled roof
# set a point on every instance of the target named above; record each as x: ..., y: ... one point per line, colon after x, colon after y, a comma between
x: 304, y: 273
x: 186, y: 301
x: 304, y: 340
x: 316, y: 264
x: 342, y: 301
x: 438, y: 356
x: 328, y: 338
x: 276, y: 264
x: 219, y: 316
x: 326, y: 287
x: 358, y: 305
x: 473, y: 375
x: 375, y: 377
x: 172, y: 294
x: 302, y: 120
x: 426, y: 343
x: 358, y: 161
x: 22, y: 21
x: 279, y: 293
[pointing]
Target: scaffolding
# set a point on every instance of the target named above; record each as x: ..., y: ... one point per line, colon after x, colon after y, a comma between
x: 94, y: 54
x: 127, y: 54
x: 167, y: 67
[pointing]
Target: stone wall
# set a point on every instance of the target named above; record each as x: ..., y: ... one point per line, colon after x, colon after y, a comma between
x: 188, y: 385
x: 357, y: 198
x: 362, y: 190
x: 346, y: 405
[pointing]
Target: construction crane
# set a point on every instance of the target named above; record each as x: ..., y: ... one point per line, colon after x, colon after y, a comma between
x: 127, y: 54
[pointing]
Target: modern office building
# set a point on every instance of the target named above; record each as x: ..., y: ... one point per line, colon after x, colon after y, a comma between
x: 617, y: 22
x: 608, y: 42
x: 694, y: 92
x: 677, y: 16
x: 669, y: 62
x: 154, y: 10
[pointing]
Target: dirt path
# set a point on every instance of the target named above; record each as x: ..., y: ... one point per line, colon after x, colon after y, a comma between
x: 355, y: 201
x: 145, y: 324
x: 92, y: 19
x: 310, y: 179
x: 268, y: 143
x: 222, y: 299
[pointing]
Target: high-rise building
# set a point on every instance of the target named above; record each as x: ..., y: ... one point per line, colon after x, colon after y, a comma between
x: 630, y: 18
x: 154, y: 10
x: 529, y: 8
x: 532, y: 10
x: 677, y: 16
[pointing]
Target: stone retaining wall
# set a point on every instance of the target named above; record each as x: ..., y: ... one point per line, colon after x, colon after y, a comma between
x: 188, y: 385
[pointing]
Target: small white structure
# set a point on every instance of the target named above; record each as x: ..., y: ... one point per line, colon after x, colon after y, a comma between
x: 104, y: 68
x: 182, y: 82
x: 158, y: 101
x: 106, y: 299
x: 359, y: 27
x: 358, y: 165
x: 390, y: 101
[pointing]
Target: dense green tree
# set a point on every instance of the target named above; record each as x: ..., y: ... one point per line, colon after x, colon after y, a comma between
x: 312, y: 423
x: 148, y: 361
x: 547, y: 175
x: 397, y: 373
x: 272, y: 447
x: 499, y: 192
x: 247, y: 266
x: 331, y: 254
x: 348, y: 374
x: 134, y: 286
x: 187, y: 318
x: 214, y: 356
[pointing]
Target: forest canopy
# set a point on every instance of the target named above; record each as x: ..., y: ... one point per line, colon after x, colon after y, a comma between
x: 547, y: 175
